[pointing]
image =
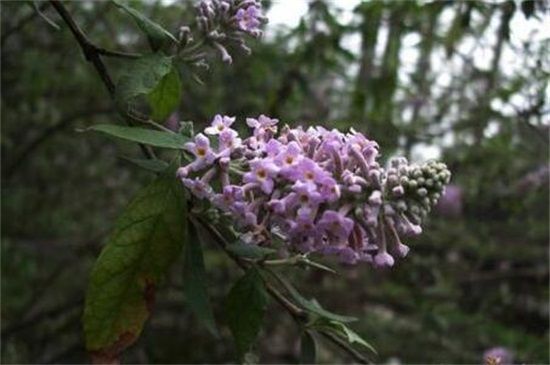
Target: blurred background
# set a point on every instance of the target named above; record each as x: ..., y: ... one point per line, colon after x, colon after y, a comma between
x: 462, y: 81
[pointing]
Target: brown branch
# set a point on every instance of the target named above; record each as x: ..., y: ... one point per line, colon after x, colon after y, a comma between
x: 88, y: 48
x: 92, y: 53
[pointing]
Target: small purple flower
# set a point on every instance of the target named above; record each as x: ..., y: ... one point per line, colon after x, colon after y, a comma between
x: 401, y: 249
x: 344, y: 253
x: 198, y: 187
x: 273, y: 148
x: 307, y: 170
x: 329, y: 189
x: 303, y: 223
x: 219, y: 124
x: 228, y: 141
x: 383, y: 259
x: 288, y: 158
x: 262, y: 172
x: 264, y: 127
x: 307, y: 194
x: 232, y: 195
x: 202, y: 151
x: 249, y: 19
x: 498, y: 356
x: 336, y: 224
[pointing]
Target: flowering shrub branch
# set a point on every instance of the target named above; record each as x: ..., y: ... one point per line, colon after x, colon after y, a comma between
x: 272, y: 199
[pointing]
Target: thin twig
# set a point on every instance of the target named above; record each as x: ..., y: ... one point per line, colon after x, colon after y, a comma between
x: 92, y: 54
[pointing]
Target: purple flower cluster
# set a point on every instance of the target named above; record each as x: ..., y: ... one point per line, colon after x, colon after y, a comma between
x: 498, y: 356
x: 225, y: 22
x: 320, y: 190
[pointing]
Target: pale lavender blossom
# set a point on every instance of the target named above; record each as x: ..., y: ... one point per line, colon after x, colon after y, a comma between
x: 262, y: 172
x: 219, y: 124
x: 320, y: 190
x: 336, y: 225
x: 204, y: 156
x: 249, y: 19
x: 498, y: 356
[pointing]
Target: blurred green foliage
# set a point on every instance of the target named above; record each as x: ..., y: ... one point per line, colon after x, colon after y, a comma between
x: 446, y: 74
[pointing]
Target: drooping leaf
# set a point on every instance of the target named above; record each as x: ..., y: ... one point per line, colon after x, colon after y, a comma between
x: 154, y: 165
x: 165, y: 97
x: 342, y: 330
x: 141, y: 77
x: 146, y: 239
x: 312, y: 305
x: 142, y: 135
x: 308, y: 348
x: 245, y: 307
x: 194, y: 282
x: 157, y: 36
x: 250, y: 251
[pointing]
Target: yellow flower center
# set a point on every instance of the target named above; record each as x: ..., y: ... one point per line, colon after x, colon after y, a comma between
x: 201, y: 152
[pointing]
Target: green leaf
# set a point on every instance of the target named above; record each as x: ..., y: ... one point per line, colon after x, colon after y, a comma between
x: 157, y: 36
x: 312, y: 305
x: 146, y: 239
x: 141, y: 77
x: 345, y: 332
x: 308, y: 348
x: 250, y: 251
x: 186, y: 129
x: 194, y: 282
x: 148, y: 164
x: 142, y: 135
x: 166, y: 96
x: 245, y: 308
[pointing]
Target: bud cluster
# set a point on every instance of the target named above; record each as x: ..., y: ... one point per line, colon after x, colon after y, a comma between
x: 320, y: 190
x: 226, y: 22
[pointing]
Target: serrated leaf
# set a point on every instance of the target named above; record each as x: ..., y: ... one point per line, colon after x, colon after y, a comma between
x: 308, y: 348
x: 250, y: 251
x: 165, y: 97
x: 245, y: 307
x: 154, y: 165
x: 194, y: 282
x: 157, y: 36
x: 142, y: 135
x: 146, y: 239
x: 141, y: 76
